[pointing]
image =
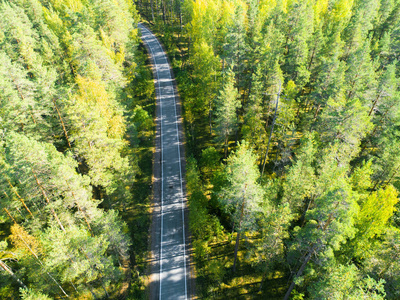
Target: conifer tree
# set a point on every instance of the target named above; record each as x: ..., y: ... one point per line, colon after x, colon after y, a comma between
x: 243, y: 195
x: 226, y: 106
x: 341, y: 281
x: 384, y: 263
x: 300, y: 18
x: 329, y: 218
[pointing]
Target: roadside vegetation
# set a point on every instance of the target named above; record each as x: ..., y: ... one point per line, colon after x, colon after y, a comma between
x: 76, y: 143
x: 291, y: 114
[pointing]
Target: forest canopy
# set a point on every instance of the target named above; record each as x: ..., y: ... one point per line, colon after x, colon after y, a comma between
x: 65, y: 162
x: 307, y: 205
x: 292, y: 123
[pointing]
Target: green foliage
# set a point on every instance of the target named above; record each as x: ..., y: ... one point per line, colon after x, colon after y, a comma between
x: 210, y: 161
x: 301, y: 176
x: 203, y: 226
x: 345, y: 282
x: 63, y: 67
x: 225, y: 115
x: 361, y: 177
x: 206, y: 228
x: 384, y: 263
x: 330, y: 149
x: 28, y: 294
x: 373, y: 217
x: 242, y: 197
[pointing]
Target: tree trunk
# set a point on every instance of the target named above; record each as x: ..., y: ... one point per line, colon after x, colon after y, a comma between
x: 298, y: 274
x: 272, y: 129
x: 81, y: 210
x: 9, y: 271
x: 35, y: 255
x: 210, y: 118
x: 263, y: 279
x: 303, y: 216
x: 163, y: 10
x: 62, y: 123
x: 308, y: 256
x: 48, y: 201
x: 180, y: 17
x: 317, y: 111
x: 152, y: 9
x: 20, y: 198
x: 394, y: 174
x: 374, y: 104
x: 226, y: 147
x: 238, y: 232
x: 376, y: 128
x: 312, y: 58
x: 236, y: 251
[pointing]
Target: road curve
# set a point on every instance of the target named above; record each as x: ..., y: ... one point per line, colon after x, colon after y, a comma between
x: 170, y: 265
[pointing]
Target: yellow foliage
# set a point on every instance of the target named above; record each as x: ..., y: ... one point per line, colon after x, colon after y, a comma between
x: 265, y: 8
x: 53, y: 20
x: 117, y: 56
x: 67, y: 40
x: 291, y: 89
x: 26, y: 50
x: 320, y: 8
x: 116, y: 126
x: 131, y: 6
x: 120, y: 56
x: 22, y: 240
x: 93, y: 92
x: 284, y: 5
x: 74, y: 5
x: 376, y: 211
x: 204, y: 61
x: 204, y: 18
x: 133, y: 35
x: 107, y: 41
x: 342, y: 11
x: 228, y: 11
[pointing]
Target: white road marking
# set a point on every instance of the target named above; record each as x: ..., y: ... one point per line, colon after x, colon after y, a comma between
x: 162, y: 160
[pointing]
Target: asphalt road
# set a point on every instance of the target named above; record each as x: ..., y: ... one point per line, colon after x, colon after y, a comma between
x: 170, y: 253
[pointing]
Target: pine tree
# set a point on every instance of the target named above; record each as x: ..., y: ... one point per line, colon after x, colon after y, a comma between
x: 243, y: 195
x: 270, y: 248
x: 330, y: 78
x: 346, y: 281
x: 299, y: 184
x: 97, y: 127
x: 299, y: 30
x: 337, y: 123
x: 329, y: 218
x: 227, y: 103
x: 254, y: 125
x: 79, y: 243
x: 28, y: 294
x: 235, y: 46
x: 384, y: 263
x: 360, y: 75
x: 91, y: 59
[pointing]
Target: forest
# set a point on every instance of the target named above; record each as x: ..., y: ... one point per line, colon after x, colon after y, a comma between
x: 292, y: 124
x: 76, y: 118
x: 291, y: 113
